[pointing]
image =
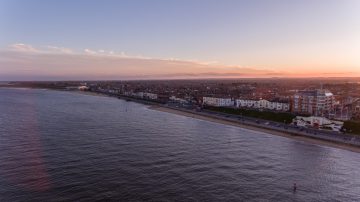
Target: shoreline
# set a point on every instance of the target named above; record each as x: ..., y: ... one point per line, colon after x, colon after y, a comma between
x: 310, y: 140
x: 90, y: 93
x: 195, y: 115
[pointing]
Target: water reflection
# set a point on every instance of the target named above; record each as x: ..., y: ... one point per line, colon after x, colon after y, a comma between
x: 23, y: 152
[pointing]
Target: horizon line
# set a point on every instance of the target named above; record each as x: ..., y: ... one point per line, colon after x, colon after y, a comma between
x: 174, y: 79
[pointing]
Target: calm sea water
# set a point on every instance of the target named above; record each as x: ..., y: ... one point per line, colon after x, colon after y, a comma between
x: 61, y: 146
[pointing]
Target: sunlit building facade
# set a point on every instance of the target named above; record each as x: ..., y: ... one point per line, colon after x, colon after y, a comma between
x: 314, y: 102
x: 218, y: 102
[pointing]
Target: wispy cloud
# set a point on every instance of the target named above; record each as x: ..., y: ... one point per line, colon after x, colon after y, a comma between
x: 88, y: 51
x: 22, y: 47
x: 56, y: 49
x: 24, y: 61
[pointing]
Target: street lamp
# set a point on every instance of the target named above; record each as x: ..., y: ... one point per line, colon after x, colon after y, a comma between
x: 284, y: 123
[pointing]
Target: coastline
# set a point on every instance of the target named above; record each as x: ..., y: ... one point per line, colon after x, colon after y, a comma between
x: 59, y: 90
x: 264, y: 130
x: 90, y: 93
x: 191, y: 114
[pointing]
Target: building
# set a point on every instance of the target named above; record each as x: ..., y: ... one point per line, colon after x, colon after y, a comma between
x: 178, y: 100
x: 313, y: 102
x: 142, y: 95
x: 151, y: 96
x: 341, y: 112
x: 218, y: 102
x: 318, y: 122
x: 247, y: 103
x: 138, y: 94
x: 83, y: 88
x: 354, y: 107
x: 278, y: 105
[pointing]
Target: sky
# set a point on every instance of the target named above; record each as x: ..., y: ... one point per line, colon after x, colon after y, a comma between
x: 150, y: 39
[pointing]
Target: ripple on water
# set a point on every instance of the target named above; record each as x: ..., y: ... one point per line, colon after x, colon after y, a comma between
x: 59, y: 146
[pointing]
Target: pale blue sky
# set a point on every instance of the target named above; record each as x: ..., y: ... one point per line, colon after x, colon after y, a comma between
x: 277, y: 34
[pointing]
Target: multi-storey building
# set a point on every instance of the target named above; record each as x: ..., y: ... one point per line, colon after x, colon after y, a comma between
x: 142, y: 95
x: 218, y: 102
x: 314, y: 102
x: 353, y: 107
x: 277, y: 105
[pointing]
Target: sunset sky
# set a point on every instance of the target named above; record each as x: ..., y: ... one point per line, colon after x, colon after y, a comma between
x: 151, y: 39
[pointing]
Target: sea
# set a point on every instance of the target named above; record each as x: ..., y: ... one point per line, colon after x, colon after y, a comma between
x: 66, y: 146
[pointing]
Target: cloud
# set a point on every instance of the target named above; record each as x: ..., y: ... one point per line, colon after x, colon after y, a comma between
x: 22, y: 47
x: 111, y: 53
x: 58, y: 63
x: 338, y: 73
x: 56, y: 49
x: 88, y: 51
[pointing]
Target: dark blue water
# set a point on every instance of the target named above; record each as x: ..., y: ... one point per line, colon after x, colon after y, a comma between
x: 61, y: 146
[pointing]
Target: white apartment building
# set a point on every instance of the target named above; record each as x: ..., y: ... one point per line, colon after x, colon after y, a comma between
x: 263, y: 104
x: 218, y: 102
x: 142, y: 95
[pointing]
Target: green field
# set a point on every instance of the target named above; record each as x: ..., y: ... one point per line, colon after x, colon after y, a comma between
x: 266, y: 115
x: 352, y: 127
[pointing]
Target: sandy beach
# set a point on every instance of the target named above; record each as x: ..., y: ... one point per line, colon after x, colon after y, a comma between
x: 268, y: 131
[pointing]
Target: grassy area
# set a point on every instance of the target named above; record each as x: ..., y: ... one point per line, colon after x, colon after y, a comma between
x: 267, y: 115
x: 352, y: 127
